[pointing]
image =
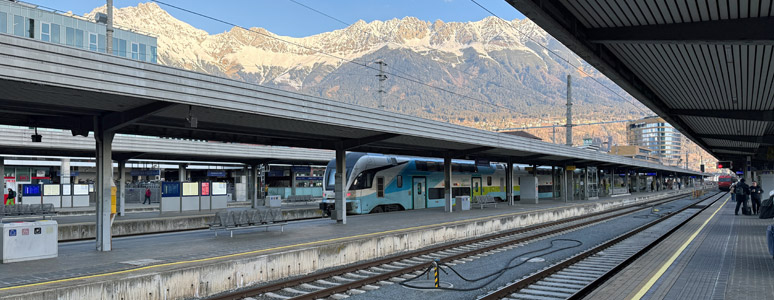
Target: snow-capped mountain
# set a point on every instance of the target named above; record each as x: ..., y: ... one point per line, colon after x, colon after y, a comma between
x: 429, y: 64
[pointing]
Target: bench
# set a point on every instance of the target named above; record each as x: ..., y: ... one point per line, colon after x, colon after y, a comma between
x: 485, y: 200
x: 246, y: 219
x: 27, y: 210
x: 299, y: 198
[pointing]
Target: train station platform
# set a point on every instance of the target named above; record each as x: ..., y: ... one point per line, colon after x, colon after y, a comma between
x: 717, y: 255
x: 79, y: 223
x: 196, y: 263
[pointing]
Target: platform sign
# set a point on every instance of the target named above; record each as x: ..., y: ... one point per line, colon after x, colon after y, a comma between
x: 571, y: 168
x: 205, y: 188
x: 190, y: 189
x: 216, y: 173
x: 80, y: 189
x: 145, y: 172
x: 51, y: 190
x: 219, y: 188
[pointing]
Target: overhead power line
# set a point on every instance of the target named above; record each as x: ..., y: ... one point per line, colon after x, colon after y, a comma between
x: 579, y: 68
x: 332, y: 55
x: 573, y: 125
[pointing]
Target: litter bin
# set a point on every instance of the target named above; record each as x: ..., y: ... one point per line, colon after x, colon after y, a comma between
x: 462, y: 203
x: 24, y: 241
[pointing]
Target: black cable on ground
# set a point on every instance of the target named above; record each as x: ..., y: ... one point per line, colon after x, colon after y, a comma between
x: 494, y: 275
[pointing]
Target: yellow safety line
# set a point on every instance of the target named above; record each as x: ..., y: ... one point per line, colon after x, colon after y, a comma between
x: 270, y: 249
x: 672, y: 259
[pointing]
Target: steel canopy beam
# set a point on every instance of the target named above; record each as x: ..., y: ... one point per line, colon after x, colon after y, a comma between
x: 753, y: 115
x: 466, y: 152
x: 765, y: 140
x: 117, y: 120
x: 756, y: 31
x: 353, y: 143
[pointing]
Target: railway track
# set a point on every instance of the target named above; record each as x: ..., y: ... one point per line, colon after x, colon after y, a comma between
x: 360, y: 278
x: 576, y: 276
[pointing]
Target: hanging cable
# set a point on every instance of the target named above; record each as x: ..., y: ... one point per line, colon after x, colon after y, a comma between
x: 496, y: 274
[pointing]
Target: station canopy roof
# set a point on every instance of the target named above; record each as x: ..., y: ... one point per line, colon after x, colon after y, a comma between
x: 706, y: 67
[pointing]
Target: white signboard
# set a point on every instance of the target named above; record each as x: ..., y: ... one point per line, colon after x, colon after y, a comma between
x: 80, y: 189
x: 219, y: 188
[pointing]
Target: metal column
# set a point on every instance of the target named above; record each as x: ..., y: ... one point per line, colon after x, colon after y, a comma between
x: 103, y: 186
x: 122, y: 188
x: 253, y: 183
x: 292, y: 181
x: 2, y: 173
x: 64, y: 171
x: 509, y: 181
x: 182, y: 176
x: 341, y: 185
x: 447, y: 182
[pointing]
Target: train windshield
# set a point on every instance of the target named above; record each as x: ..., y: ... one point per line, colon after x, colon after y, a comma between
x: 330, y: 169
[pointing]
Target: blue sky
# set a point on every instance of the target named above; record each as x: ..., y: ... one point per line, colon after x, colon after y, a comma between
x: 287, y: 18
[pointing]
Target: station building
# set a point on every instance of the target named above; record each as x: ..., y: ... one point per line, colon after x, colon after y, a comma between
x: 32, y: 21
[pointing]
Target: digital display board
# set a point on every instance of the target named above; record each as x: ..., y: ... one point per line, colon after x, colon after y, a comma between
x: 170, y: 189
x: 31, y: 190
x: 190, y: 189
x: 219, y: 188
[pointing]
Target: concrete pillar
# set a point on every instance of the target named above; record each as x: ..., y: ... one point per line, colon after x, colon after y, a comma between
x: 122, y: 188
x: 509, y: 181
x: 566, y: 189
x: 628, y: 181
x: 529, y: 189
x: 748, y: 171
x: 103, y: 186
x: 2, y: 177
x: 340, y: 187
x: 254, y: 185
x: 637, y: 182
x: 64, y: 172
x: 248, y: 184
x: 292, y: 181
x: 447, y: 182
x: 182, y: 176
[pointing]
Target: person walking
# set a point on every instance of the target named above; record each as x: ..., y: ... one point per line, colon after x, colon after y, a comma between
x: 11, y: 197
x: 741, y: 190
x: 755, y: 197
x: 147, y: 196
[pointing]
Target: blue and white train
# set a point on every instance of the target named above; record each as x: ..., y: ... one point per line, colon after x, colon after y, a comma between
x: 380, y: 183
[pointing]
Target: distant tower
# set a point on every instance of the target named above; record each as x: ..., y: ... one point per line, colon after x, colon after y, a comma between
x: 382, y: 78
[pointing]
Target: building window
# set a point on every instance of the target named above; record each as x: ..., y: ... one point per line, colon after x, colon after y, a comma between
x: 93, y: 42
x: 153, y: 54
x: 101, y: 43
x: 122, y: 48
x: 3, y: 22
x: 18, y: 25
x: 79, y: 38
x: 380, y: 187
x: 55, y: 33
x: 143, y: 53
x: 135, y: 51
x: 70, y: 36
x: 399, y: 181
x: 45, y: 32
x: 29, y: 28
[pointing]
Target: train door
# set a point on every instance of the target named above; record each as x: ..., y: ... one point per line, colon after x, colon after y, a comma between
x: 477, y: 189
x: 419, y: 192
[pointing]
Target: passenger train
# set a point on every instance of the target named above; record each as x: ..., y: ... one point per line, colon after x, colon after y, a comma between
x: 380, y: 183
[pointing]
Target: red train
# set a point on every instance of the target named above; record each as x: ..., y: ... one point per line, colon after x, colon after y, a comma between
x: 725, y: 181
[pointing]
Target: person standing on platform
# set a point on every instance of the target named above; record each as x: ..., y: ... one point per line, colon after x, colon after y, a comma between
x: 11, y: 197
x: 741, y: 190
x: 755, y: 197
x: 147, y: 196
x: 731, y: 190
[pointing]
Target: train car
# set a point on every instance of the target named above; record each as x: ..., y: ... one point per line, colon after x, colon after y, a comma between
x: 725, y: 181
x: 381, y: 183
